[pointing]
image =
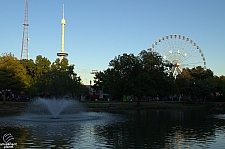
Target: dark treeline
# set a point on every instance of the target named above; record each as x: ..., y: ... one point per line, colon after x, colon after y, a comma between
x: 148, y: 75
x: 142, y: 76
x: 39, y: 78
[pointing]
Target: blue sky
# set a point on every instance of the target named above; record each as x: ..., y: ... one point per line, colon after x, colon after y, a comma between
x: 98, y: 30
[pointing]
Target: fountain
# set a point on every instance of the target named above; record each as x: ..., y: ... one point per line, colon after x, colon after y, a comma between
x: 55, y: 123
x: 54, y: 111
x: 54, y: 107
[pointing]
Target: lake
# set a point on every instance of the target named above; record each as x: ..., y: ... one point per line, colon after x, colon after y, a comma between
x: 153, y: 129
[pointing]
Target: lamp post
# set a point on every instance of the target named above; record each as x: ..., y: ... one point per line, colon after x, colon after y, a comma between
x: 90, y: 90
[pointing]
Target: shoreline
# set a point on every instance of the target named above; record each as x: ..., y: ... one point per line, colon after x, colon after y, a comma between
x: 115, y: 105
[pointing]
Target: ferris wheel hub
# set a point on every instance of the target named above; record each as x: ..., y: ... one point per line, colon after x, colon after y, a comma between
x: 177, y: 65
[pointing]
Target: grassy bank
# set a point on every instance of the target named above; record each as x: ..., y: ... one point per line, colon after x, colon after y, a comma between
x: 143, y: 105
x: 20, y: 106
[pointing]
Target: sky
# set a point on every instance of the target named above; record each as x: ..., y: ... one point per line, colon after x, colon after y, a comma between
x: 97, y: 31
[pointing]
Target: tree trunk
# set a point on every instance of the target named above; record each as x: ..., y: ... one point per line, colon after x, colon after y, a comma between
x: 4, y: 98
x: 138, y: 102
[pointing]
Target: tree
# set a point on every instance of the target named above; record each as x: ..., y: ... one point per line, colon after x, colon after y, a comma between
x: 159, y: 79
x: 218, y: 87
x: 58, y: 80
x: 142, y: 75
x: 221, y: 86
x: 31, y: 70
x: 196, y: 83
x: 60, y: 65
x: 55, y: 84
x: 110, y: 81
x: 63, y: 66
x: 58, y: 84
x: 42, y: 65
x: 12, y: 74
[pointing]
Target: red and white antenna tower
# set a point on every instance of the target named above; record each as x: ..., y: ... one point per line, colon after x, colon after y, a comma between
x: 24, y: 51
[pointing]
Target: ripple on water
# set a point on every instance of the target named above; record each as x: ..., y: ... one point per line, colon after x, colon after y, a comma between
x: 219, y: 116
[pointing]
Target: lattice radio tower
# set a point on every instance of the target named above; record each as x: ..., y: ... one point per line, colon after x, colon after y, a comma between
x: 24, y: 50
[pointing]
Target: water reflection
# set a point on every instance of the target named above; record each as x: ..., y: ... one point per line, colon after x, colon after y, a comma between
x: 165, y: 129
x: 126, y: 129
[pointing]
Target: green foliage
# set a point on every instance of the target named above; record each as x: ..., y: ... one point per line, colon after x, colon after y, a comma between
x: 142, y: 75
x: 56, y: 84
x: 42, y: 65
x: 40, y: 77
x: 60, y: 65
x: 59, y: 80
x: 198, y: 83
x: 31, y: 70
x: 12, y: 74
x: 146, y: 74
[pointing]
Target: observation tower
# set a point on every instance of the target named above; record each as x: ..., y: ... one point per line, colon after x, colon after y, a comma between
x: 62, y: 54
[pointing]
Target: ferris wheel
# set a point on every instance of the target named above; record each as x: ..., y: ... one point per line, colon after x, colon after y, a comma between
x: 180, y: 51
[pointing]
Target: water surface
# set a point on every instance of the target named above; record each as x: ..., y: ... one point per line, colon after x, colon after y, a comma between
x: 125, y: 129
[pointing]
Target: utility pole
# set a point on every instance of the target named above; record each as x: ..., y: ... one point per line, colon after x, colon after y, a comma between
x: 24, y: 50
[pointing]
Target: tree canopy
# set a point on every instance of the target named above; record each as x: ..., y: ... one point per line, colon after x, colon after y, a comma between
x: 56, y: 79
x: 13, y: 74
x: 39, y: 77
x: 199, y: 83
x: 143, y: 75
x: 149, y: 75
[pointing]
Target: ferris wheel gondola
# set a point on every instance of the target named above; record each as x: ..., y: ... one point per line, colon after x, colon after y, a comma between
x: 180, y: 51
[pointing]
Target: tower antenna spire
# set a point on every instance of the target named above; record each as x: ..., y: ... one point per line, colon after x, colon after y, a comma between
x: 62, y: 54
x: 63, y: 12
x: 24, y: 50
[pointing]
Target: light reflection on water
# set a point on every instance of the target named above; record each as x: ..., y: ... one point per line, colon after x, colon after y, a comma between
x: 125, y: 129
